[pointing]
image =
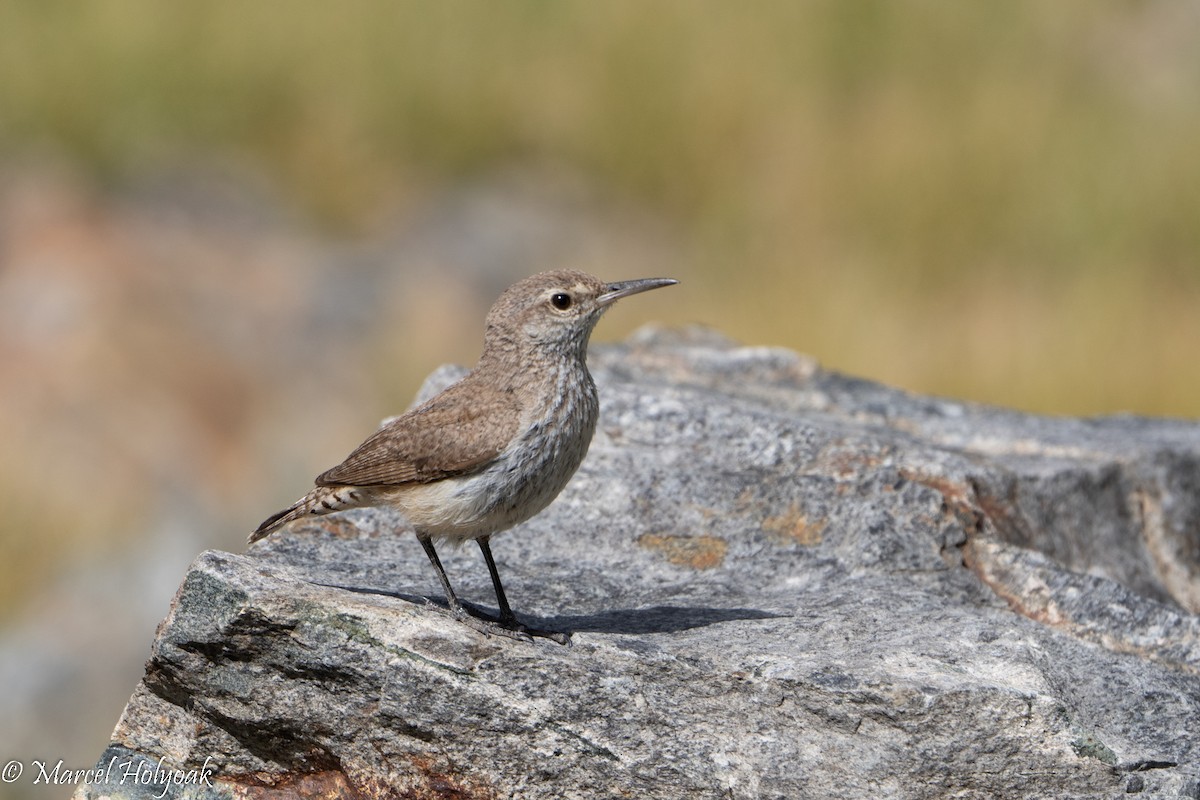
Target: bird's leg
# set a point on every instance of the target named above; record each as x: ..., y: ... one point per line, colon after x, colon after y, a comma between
x: 462, y: 613
x: 507, y: 618
x: 451, y: 598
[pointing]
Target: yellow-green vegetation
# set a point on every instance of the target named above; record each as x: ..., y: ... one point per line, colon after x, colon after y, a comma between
x: 997, y: 201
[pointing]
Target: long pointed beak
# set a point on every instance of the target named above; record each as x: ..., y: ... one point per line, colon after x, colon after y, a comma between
x: 625, y: 288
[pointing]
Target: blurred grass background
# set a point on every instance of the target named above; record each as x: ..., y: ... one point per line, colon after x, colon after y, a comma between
x: 996, y: 201
x: 992, y: 201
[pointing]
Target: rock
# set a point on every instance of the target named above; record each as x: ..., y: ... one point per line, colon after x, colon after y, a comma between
x: 782, y: 582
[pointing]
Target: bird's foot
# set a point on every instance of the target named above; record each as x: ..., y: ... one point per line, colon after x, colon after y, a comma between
x: 558, y: 637
x: 508, y: 627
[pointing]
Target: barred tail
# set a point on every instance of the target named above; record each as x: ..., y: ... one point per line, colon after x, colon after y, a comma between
x: 321, y: 500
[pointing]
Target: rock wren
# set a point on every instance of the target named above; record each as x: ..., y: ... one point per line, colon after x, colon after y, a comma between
x: 495, y: 448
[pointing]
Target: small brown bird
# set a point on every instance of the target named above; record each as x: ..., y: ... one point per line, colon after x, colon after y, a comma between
x: 495, y: 448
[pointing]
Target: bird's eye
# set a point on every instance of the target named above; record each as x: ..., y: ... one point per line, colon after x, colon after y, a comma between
x: 560, y: 300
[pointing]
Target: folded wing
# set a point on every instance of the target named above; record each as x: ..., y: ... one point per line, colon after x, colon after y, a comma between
x: 460, y: 431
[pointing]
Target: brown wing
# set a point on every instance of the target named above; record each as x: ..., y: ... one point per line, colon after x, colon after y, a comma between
x: 459, y: 431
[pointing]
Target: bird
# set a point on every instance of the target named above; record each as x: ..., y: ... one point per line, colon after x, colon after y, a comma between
x: 493, y: 449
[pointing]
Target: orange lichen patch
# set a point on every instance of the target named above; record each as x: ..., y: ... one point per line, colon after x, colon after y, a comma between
x: 846, y: 463
x: 794, y: 524
x: 431, y: 784
x: 960, y: 499
x: 335, y: 525
x: 438, y: 784
x: 956, y: 494
x: 706, y: 512
x: 330, y: 785
x: 340, y: 527
x: 697, y: 552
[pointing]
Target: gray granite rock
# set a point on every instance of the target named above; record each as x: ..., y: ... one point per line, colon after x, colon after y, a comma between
x: 782, y: 583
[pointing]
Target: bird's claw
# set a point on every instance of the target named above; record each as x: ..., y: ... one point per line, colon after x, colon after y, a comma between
x: 508, y: 627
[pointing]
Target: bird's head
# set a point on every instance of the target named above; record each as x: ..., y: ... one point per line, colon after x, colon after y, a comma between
x: 556, y: 311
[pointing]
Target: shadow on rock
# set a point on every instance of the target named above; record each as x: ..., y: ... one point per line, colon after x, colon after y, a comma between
x: 656, y: 619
